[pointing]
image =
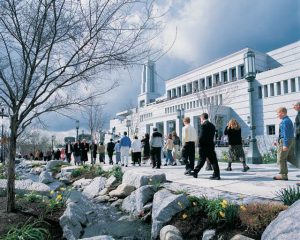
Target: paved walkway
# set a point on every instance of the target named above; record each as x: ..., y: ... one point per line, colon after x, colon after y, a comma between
x: 257, y: 183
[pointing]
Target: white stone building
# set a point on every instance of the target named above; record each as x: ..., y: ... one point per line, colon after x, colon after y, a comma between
x: 220, y: 89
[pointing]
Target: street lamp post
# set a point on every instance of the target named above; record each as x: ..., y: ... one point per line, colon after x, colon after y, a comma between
x: 128, y: 124
x: 77, y: 127
x: 180, y: 116
x: 52, y: 141
x: 253, y: 155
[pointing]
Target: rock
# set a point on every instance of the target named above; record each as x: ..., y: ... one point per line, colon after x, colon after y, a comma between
x: 36, y: 170
x: 138, y: 179
x: 93, y: 189
x: 241, y: 237
x: 101, y: 199
x: 69, y: 169
x: 75, y: 216
x: 53, y: 163
x: 56, y: 185
x: 25, y: 186
x: 286, y: 226
x: 104, y: 191
x: 147, y: 217
x: 102, y: 237
x: 170, y: 232
x: 209, y: 234
x: 147, y: 207
x: 66, y: 178
x: 135, y: 202
x: 122, y: 191
x: 117, y: 203
x: 81, y: 183
x: 165, y: 206
x: 111, y: 183
x: 46, y: 177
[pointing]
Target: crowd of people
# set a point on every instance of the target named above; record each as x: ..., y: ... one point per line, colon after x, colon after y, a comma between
x: 155, y: 146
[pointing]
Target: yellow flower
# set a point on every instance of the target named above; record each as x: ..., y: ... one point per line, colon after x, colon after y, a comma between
x: 224, y: 203
x: 194, y: 204
x: 242, y: 208
x: 52, y: 192
x: 59, y: 197
x: 222, y: 214
x: 180, y: 204
x: 62, y: 189
x: 184, y: 216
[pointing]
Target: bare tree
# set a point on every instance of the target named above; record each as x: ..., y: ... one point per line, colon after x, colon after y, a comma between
x: 211, y: 101
x: 53, y: 49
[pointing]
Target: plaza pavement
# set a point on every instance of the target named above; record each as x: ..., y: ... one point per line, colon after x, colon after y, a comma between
x: 256, y: 184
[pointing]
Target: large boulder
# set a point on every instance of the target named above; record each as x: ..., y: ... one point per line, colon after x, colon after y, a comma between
x: 45, y: 177
x: 54, y: 163
x: 286, y: 226
x: 165, y: 206
x: 170, y: 232
x: 75, y: 215
x: 141, y: 178
x: 81, y: 183
x: 36, y: 170
x: 122, y: 191
x: 209, y: 234
x: 111, y: 183
x: 25, y: 186
x: 93, y: 189
x: 67, y: 170
x: 137, y: 199
x: 240, y: 237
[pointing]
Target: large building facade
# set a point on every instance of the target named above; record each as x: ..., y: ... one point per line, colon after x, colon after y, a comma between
x: 220, y: 89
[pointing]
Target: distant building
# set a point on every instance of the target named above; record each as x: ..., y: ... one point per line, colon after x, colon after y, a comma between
x: 220, y: 89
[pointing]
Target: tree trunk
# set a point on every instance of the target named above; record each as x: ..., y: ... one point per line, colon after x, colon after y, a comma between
x: 11, y: 206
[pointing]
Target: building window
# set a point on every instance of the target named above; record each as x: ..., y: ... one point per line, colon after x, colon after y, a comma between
x: 220, y: 99
x: 169, y: 94
x: 217, y: 79
x: 242, y: 71
x: 225, y: 78
x: 265, y: 91
x: 293, y: 85
x: 194, y: 104
x: 209, y: 80
x: 272, y: 89
x: 285, y: 86
x: 196, y: 86
x: 190, y: 87
x: 233, y: 74
x: 198, y: 103
x: 271, y: 129
x: 202, y: 84
x: 278, y: 86
x: 173, y: 92
x: 179, y: 91
x: 184, y: 90
x: 259, y: 92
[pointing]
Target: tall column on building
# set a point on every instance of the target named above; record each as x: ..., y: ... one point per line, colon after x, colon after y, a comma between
x: 148, y: 84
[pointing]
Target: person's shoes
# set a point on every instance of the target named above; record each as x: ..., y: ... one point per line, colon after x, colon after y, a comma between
x: 122, y: 165
x: 228, y: 169
x: 298, y: 184
x: 165, y: 164
x: 208, y: 168
x: 157, y: 167
x: 214, y: 178
x: 139, y: 164
x: 174, y: 164
x: 187, y: 172
x: 245, y: 169
x: 280, y: 177
x: 195, y: 174
x: 153, y: 166
x: 126, y: 166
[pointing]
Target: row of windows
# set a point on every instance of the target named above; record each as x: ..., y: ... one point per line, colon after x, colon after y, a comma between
x: 207, y: 82
x: 279, y: 88
x: 214, y: 100
x: 145, y: 116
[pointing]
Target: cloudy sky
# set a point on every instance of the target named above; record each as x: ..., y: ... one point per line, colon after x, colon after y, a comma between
x: 203, y: 30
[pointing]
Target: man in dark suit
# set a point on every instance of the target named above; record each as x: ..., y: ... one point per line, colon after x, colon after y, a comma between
x: 110, y: 148
x: 69, y: 150
x: 207, y: 147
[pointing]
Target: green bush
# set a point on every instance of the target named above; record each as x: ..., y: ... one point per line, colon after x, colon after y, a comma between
x: 33, y: 197
x: 29, y: 231
x: 270, y: 156
x: 116, y: 171
x: 77, y: 172
x: 99, y: 171
x: 289, y: 195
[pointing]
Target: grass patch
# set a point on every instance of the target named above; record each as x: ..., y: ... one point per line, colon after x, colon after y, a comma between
x: 29, y: 231
x: 289, y: 195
